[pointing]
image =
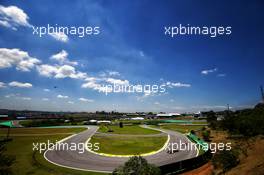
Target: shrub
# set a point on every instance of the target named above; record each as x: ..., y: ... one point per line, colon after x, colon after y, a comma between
x: 225, y: 159
x: 137, y: 165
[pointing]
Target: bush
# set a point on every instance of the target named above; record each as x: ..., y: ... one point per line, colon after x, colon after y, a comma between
x: 39, y: 123
x: 153, y: 122
x: 192, y: 132
x: 206, y: 135
x: 120, y: 124
x: 137, y: 165
x: 225, y: 159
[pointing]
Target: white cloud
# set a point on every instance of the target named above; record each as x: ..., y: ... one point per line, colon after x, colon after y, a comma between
x: 10, y: 95
x: 91, y: 79
x: 65, y: 71
x: 86, y: 100
x: 156, y: 103
x: 4, y: 23
x: 117, y: 81
x: 17, y: 96
x: 221, y: 75
x: 70, y: 102
x: 91, y: 84
x: 114, y: 73
x: 25, y: 98
x: 60, y: 71
x: 20, y: 85
x: 62, y: 58
x: 96, y: 83
x: 141, y: 53
x: 60, y: 36
x: 69, y: 71
x: 47, y: 70
x: 12, y: 17
x: 18, y: 58
x: 62, y: 96
x: 178, y: 84
x: 206, y: 72
x: 46, y: 90
x: 45, y: 99
x: 109, y: 73
x: 2, y: 85
x: 210, y: 107
x: 150, y: 94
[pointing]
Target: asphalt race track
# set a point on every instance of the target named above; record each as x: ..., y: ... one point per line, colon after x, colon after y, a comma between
x: 92, y: 162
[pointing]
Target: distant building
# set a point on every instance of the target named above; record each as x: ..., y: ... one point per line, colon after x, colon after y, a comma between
x: 168, y: 115
x: 92, y: 121
x: 3, y: 117
x: 66, y: 121
x: 137, y: 118
x: 21, y: 117
x: 103, y: 122
x: 197, y: 114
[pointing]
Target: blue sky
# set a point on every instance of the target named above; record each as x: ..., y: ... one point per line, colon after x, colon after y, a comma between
x: 200, y: 72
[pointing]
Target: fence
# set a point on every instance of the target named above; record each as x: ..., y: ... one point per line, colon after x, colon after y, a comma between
x: 186, y: 165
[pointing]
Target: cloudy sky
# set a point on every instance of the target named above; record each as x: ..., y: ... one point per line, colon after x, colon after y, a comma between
x: 62, y: 72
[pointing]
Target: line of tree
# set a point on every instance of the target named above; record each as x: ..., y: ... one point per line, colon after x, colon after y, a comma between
x: 247, y: 122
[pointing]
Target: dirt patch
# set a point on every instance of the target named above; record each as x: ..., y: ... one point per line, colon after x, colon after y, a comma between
x: 206, y: 169
x: 253, y: 162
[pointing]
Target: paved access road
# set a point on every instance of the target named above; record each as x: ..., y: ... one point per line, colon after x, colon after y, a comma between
x: 92, y: 162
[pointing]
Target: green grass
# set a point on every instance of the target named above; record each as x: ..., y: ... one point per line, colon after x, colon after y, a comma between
x: 30, y: 163
x: 40, y: 131
x: 199, y: 123
x: 180, y: 128
x: 123, y: 145
x: 135, y: 130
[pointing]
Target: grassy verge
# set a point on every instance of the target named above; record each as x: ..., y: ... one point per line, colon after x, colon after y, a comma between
x: 180, y: 128
x: 135, y: 130
x: 40, y: 131
x: 199, y: 123
x: 30, y: 162
x: 123, y: 145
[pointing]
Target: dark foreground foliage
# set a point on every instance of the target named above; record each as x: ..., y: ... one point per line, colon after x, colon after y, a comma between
x: 137, y: 166
x: 6, y: 161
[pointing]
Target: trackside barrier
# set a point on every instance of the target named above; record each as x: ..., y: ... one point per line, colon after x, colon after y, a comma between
x: 197, y: 140
x: 186, y: 165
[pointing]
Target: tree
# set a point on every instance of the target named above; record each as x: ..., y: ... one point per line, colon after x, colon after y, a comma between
x: 137, y: 165
x: 120, y: 124
x: 248, y: 122
x: 192, y: 132
x: 6, y: 161
x: 206, y: 135
x: 225, y: 159
x: 211, y: 119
